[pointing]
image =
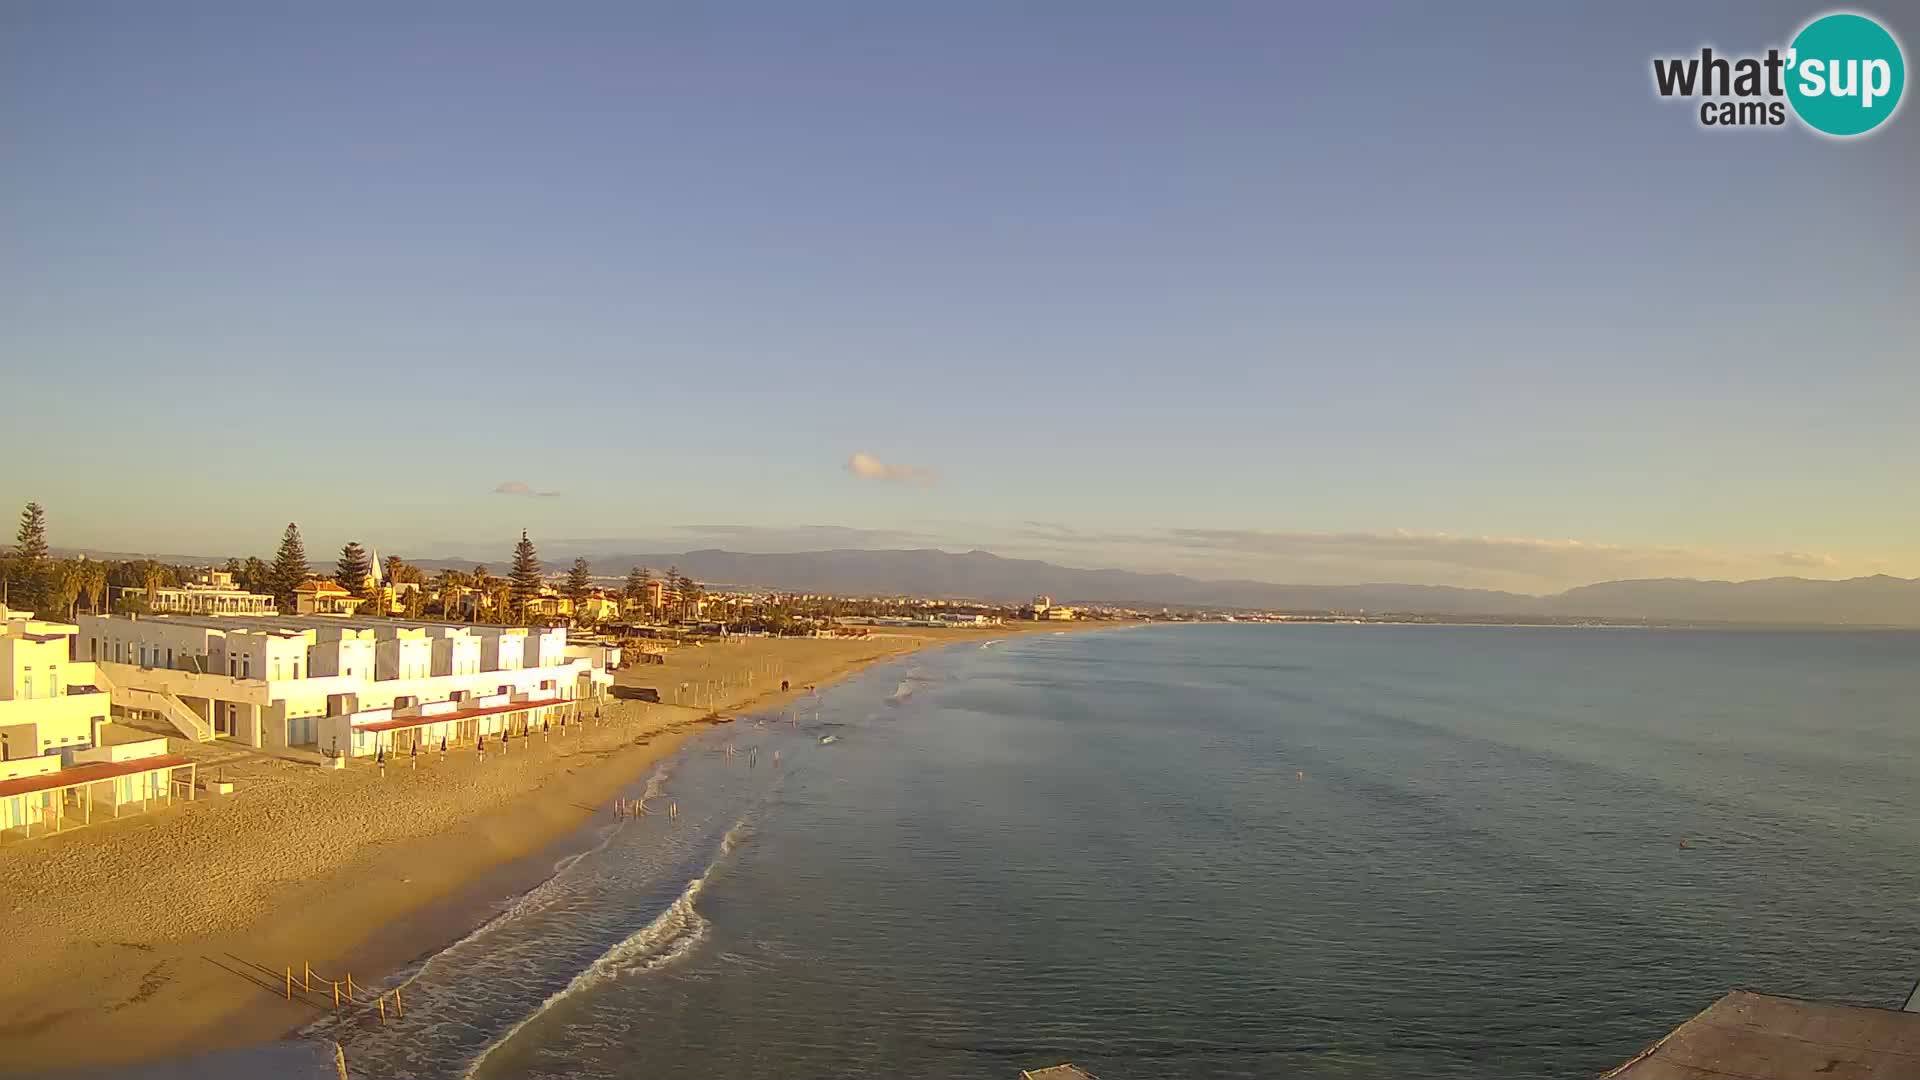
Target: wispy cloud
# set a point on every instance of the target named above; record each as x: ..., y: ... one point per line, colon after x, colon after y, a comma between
x: 1526, y: 564
x: 798, y: 537
x: 521, y: 487
x: 1805, y: 559
x: 866, y: 466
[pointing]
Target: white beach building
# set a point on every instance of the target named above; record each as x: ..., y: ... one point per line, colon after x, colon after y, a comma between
x: 49, y: 704
x: 56, y: 764
x: 287, y: 682
x: 211, y: 593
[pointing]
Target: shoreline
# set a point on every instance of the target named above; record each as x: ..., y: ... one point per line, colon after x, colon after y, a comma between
x: 118, y: 986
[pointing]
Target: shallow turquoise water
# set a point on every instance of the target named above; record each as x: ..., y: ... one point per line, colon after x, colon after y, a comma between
x: 1225, y: 851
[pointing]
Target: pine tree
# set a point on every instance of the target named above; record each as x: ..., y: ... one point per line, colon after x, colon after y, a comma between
x: 289, y: 570
x: 678, y: 586
x: 526, y: 570
x: 32, y: 538
x: 352, y: 569
x: 579, y: 581
x: 30, y: 568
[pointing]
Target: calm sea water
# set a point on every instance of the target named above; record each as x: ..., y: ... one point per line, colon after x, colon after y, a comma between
x: 1224, y: 851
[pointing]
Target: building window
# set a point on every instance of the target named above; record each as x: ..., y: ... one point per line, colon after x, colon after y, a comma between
x: 169, y: 658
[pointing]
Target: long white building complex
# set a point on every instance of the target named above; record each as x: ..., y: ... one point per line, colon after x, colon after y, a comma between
x: 336, y: 684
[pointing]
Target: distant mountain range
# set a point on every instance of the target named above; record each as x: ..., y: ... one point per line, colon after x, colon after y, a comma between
x: 980, y: 575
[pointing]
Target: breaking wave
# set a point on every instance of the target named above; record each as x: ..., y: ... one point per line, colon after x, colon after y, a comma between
x: 672, y: 935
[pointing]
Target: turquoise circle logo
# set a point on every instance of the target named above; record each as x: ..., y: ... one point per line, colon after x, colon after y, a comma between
x: 1845, y: 74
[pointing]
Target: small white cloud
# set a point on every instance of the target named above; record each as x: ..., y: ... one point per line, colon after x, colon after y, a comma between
x: 865, y: 465
x: 521, y: 487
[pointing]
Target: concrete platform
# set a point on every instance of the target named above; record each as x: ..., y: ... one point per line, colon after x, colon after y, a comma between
x: 1748, y: 1036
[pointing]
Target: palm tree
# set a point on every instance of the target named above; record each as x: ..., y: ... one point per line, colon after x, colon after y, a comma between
x: 68, y: 578
x: 151, y: 576
x: 482, y: 587
x: 444, y: 584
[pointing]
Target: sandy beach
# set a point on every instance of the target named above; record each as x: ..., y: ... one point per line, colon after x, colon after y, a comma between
x: 168, y: 933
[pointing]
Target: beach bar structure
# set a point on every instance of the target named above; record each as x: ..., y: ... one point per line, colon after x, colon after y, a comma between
x: 1762, y: 1037
x: 458, y: 725
x: 38, y: 796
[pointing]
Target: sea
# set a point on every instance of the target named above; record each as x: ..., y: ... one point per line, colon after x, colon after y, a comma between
x: 1305, y: 851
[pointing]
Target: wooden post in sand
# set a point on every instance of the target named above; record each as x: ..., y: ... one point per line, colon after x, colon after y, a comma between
x: 336, y: 997
x: 289, y: 984
x: 397, y: 1007
x: 382, y: 999
x: 306, y: 978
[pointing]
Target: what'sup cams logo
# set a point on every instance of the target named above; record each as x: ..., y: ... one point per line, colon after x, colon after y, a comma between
x: 1842, y: 76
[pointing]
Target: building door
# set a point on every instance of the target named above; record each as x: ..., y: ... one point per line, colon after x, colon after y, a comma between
x: 303, y: 730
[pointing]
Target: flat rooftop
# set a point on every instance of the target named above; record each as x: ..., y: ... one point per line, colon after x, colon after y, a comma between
x: 1749, y: 1036
x: 298, y: 624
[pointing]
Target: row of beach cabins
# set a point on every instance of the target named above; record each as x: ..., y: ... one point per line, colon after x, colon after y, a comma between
x: 315, y: 687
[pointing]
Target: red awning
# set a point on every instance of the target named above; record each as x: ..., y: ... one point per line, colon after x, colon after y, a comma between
x: 91, y: 773
x: 403, y: 722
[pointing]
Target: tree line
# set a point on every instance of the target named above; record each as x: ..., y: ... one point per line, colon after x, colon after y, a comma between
x: 32, y: 580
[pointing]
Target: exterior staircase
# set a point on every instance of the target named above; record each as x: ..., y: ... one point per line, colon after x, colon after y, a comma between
x: 162, y: 704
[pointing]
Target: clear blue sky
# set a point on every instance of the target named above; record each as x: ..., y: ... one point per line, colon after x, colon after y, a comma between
x: 1310, y: 293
